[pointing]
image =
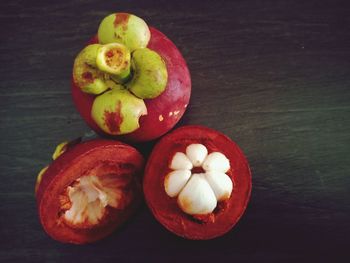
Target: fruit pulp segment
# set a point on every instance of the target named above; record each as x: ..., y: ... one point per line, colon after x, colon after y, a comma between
x: 90, y: 195
x: 198, y: 179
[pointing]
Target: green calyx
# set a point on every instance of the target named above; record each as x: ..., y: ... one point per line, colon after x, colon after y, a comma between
x: 149, y: 74
x: 126, y: 29
x: 117, y: 111
x: 39, y: 178
x: 85, y: 74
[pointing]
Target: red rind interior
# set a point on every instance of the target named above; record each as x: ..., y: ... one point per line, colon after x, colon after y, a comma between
x: 71, y: 165
x: 165, y: 208
x: 174, y: 99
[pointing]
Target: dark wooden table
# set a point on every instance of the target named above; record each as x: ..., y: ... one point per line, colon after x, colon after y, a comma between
x: 273, y: 75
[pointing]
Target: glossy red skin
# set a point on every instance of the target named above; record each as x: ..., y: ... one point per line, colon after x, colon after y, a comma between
x: 166, y: 210
x: 174, y: 99
x: 70, y: 166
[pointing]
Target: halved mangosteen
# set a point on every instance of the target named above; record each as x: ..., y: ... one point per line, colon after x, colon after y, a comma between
x: 89, y: 190
x: 197, y: 182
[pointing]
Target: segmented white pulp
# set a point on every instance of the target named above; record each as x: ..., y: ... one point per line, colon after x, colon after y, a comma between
x: 198, y: 193
x: 89, y: 197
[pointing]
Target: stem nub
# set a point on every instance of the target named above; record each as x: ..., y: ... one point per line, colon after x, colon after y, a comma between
x: 114, y: 59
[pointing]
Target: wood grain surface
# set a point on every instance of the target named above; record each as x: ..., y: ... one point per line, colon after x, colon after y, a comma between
x: 272, y: 75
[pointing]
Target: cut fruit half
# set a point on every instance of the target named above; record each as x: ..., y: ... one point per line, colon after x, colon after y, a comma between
x: 90, y: 190
x: 197, y: 182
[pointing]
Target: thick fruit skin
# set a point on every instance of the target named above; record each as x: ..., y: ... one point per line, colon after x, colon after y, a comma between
x: 166, y: 210
x: 70, y: 166
x: 165, y: 110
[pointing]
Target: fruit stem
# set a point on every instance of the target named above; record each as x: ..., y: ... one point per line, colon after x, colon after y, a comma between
x: 114, y: 59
